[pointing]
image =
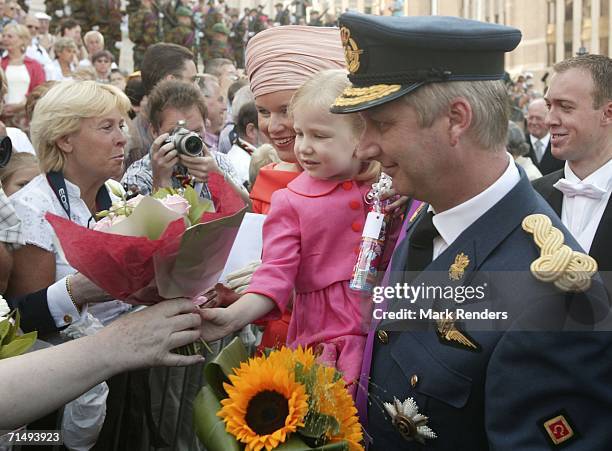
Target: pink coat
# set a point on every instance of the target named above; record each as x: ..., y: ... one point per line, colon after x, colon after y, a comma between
x: 311, y: 237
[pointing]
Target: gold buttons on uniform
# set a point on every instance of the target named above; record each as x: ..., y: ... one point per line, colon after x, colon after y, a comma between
x: 67, y: 319
x: 414, y: 380
x: 382, y: 336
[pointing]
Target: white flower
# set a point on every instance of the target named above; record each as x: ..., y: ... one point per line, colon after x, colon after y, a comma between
x: 4, y: 308
x: 407, y: 419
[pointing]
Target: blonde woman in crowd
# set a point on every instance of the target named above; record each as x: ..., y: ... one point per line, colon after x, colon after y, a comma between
x: 23, y: 74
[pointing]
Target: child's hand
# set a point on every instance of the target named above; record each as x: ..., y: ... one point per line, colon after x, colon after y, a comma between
x: 397, y: 202
x: 216, y: 323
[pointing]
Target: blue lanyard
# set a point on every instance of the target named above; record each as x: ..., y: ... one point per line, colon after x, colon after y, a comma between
x: 58, y: 185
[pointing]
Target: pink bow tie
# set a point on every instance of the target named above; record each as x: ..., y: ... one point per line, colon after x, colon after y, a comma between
x: 571, y: 189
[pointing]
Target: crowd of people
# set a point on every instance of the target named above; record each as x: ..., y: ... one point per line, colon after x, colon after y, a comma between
x: 300, y: 120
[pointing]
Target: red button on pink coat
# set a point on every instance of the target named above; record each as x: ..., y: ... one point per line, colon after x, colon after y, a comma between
x: 347, y: 185
x: 354, y: 204
x: 356, y: 226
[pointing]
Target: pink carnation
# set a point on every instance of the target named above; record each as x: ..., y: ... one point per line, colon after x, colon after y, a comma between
x: 104, y: 224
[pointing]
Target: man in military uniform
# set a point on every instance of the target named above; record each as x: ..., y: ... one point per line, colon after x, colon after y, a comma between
x: 143, y: 30
x: 184, y: 33
x: 516, y: 366
x: 219, y: 46
x: 103, y: 14
x: 237, y: 38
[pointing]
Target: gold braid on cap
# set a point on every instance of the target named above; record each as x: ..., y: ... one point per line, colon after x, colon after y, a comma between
x: 558, y: 263
x: 354, y: 96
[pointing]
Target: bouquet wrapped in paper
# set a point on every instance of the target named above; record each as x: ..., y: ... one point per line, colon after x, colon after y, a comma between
x: 172, y: 244
x: 284, y: 401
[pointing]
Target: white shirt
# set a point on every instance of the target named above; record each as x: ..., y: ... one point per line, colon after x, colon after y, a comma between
x: 38, y: 52
x: 544, y: 140
x: 53, y: 71
x: 452, y: 223
x: 31, y: 203
x: 580, y: 214
x: 20, y: 141
x: 18, y: 80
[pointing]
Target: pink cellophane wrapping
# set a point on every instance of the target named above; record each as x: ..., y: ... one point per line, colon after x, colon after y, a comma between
x: 181, y: 263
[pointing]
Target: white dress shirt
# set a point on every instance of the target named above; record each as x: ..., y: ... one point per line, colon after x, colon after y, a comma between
x: 452, y: 223
x: 580, y: 214
x: 31, y: 203
x: 544, y: 140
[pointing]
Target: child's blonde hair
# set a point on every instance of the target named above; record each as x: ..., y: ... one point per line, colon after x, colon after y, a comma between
x: 319, y: 92
x: 19, y: 160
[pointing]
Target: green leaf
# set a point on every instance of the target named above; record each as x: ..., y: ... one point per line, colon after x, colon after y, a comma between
x: 18, y: 346
x: 218, y: 370
x: 5, y: 328
x: 317, y: 424
x: 210, y: 428
x: 295, y: 443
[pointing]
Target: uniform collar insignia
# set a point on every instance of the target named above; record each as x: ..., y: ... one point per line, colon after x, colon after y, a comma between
x: 457, y: 269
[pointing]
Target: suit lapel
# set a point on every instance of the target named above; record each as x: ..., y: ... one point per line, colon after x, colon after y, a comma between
x: 602, y: 242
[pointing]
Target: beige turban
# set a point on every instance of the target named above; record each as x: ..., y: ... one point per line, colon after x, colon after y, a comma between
x: 283, y: 58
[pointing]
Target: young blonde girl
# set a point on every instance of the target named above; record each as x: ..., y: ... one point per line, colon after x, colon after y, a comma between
x: 22, y: 168
x: 311, y: 237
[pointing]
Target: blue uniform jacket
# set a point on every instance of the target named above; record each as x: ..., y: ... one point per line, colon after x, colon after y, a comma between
x: 503, y: 396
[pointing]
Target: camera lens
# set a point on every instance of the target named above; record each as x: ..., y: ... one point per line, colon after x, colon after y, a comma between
x: 6, y: 149
x: 193, y: 145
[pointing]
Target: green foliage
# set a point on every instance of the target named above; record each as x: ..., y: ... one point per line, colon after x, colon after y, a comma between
x: 11, y: 344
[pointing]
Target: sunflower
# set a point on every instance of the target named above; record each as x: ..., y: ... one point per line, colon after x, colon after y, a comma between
x: 335, y: 400
x: 264, y: 404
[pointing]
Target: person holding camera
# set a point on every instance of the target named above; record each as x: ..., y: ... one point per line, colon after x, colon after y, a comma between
x: 177, y: 113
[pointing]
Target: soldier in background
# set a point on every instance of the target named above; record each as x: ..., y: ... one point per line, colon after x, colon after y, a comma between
x: 184, y: 33
x: 237, y: 37
x: 143, y: 29
x: 103, y: 14
x: 220, y: 47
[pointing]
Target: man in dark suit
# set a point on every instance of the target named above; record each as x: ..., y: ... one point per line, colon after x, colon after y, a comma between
x: 538, y: 138
x: 503, y: 376
x: 580, y: 120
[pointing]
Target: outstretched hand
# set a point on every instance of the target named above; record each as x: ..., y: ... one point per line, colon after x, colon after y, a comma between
x: 146, y: 338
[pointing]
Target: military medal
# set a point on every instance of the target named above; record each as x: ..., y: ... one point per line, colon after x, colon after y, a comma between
x: 408, y: 421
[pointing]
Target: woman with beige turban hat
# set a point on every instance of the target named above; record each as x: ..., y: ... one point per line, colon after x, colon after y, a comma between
x: 278, y: 61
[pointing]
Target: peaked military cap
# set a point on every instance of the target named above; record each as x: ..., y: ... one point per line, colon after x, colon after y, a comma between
x: 388, y: 57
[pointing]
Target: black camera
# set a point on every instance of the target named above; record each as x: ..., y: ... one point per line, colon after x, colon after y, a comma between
x: 185, y: 141
x: 6, y: 149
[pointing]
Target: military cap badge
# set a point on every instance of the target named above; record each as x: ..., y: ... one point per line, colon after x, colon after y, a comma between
x: 351, y: 50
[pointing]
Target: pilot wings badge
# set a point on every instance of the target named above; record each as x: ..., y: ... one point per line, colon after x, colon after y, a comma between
x: 449, y: 334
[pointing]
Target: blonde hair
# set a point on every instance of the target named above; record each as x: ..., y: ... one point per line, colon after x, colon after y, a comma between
x: 60, y: 112
x: 320, y: 92
x: 488, y: 99
x: 62, y: 44
x: 263, y: 155
x: 21, y: 31
x: 18, y: 161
